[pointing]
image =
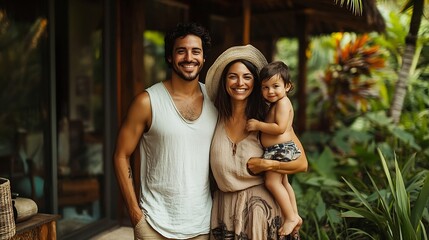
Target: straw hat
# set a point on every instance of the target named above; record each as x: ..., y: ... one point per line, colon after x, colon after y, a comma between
x: 247, y: 52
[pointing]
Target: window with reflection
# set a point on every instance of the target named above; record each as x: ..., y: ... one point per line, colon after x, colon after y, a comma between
x: 24, y: 100
x: 80, y: 116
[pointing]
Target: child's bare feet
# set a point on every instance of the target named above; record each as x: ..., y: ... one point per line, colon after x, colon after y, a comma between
x: 298, y: 226
x: 289, y: 226
x: 295, y: 232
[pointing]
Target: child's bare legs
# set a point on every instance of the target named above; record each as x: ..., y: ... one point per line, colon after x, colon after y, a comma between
x: 292, y: 198
x: 274, y: 183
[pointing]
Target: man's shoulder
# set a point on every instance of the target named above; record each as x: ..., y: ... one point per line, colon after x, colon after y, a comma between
x: 155, y: 89
x: 156, y: 85
x: 142, y: 98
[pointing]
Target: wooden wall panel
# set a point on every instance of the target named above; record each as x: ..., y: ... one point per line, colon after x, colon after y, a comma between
x: 130, y: 51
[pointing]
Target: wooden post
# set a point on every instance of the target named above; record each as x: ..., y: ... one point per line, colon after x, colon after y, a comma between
x: 130, y: 53
x: 302, y: 72
x: 247, y: 13
x: 130, y: 75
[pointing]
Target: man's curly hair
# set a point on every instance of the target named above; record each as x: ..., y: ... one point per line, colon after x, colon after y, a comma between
x: 181, y: 30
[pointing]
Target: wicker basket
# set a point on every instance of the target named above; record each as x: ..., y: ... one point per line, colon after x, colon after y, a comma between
x: 7, y: 222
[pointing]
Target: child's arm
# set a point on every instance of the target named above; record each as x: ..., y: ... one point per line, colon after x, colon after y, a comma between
x: 282, y: 117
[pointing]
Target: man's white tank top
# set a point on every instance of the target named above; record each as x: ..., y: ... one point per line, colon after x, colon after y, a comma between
x: 175, y: 192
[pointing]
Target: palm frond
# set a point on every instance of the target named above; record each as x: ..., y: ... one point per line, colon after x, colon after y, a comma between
x: 354, y: 5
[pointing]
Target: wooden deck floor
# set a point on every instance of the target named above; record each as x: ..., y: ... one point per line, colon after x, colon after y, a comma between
x: 122, y: 233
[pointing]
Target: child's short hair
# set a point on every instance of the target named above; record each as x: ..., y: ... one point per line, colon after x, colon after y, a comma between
x: 276, y: 68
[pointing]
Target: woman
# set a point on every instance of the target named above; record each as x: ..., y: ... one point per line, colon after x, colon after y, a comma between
x: 242, y: 206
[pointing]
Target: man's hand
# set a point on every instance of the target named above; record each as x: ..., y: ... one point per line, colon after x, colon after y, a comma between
x: 136, y: 216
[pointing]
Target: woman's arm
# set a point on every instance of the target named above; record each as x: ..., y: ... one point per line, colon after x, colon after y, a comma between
x: 257, y: 164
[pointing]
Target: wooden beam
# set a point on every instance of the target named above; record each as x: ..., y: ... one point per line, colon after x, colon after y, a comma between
x: 247, y: 13
x: 302, y: 72
x: 130, y: 53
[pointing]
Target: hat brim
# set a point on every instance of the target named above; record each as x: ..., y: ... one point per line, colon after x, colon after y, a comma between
x: 247, y: 52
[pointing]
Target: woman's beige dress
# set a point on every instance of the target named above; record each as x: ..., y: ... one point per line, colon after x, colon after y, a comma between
x: 242, y: 206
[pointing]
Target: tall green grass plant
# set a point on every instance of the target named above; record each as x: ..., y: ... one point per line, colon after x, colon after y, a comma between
x: 395, y: 210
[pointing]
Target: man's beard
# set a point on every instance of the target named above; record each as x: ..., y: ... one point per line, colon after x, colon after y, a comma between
x: 187, y: 77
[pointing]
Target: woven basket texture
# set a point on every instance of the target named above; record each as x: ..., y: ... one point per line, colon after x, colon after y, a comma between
x: 7, y: 222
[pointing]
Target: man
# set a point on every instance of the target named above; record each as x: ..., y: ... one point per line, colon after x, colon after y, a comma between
x: 173, y: 122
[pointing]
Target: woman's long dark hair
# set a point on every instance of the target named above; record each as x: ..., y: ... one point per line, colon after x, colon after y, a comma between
x: 256, y: 106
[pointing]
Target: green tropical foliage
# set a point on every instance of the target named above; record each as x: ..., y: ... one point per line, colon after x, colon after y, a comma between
x: 397, y: 208
x: 348, y: 149
x: 410, y: 54
x: 348, y: 152
x: 348, y: 81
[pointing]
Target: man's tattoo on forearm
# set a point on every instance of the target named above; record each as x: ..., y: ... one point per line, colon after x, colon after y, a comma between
x: 130, y: 173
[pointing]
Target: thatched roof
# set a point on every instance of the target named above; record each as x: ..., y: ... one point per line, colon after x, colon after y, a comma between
x: 273, y: 18
x: 282, y: 18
